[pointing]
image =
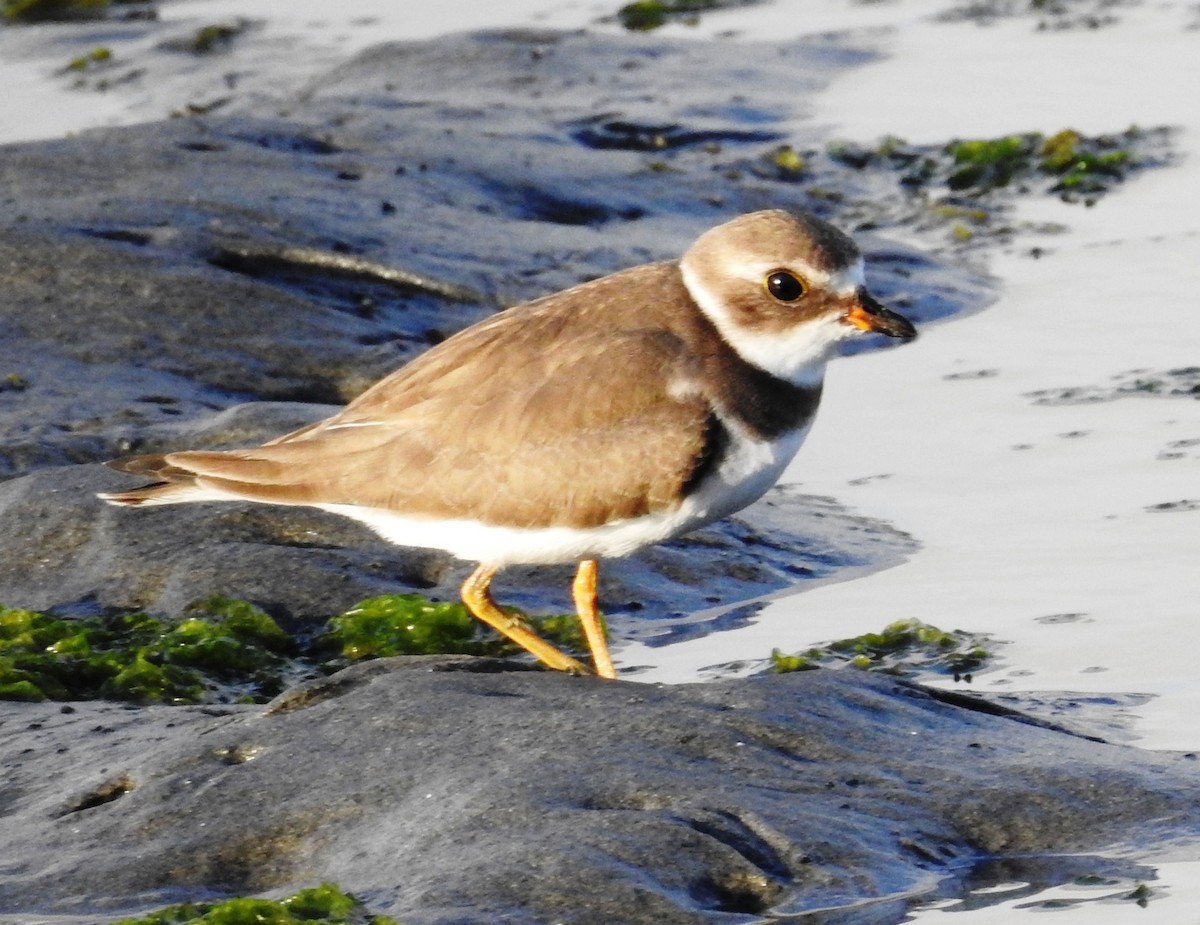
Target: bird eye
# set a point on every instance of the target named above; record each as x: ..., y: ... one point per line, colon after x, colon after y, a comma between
x: 785, y: 286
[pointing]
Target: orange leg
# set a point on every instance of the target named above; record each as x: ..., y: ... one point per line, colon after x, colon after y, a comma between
x: 478, y: 598
x: 584, y: 591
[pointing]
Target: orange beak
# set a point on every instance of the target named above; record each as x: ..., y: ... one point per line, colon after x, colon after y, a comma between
x: 868, y: 315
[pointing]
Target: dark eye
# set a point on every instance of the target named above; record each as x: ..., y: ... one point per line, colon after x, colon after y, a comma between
x: 785, y: 286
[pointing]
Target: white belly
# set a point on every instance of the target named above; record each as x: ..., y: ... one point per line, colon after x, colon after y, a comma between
x: 748, y: 469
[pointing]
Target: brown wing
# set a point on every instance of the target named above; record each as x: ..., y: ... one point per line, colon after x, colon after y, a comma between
x: 562, y: 412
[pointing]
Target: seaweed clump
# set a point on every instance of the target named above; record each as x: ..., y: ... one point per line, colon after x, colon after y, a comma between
x: 402, y: 624
x: 225, y: 649
x: 905, y: 647
x: 1076, y: 166
x: 1081, y: 166
x: 13, y: 382
x: 320, y: 905
x: 210, y: 39
x: 47, y: 10
x: 645, y: 15
x: 409, y: 624
x: 967, y: 185
x: 222, y: 648
x: 69, y: 10
x: 99, y: 55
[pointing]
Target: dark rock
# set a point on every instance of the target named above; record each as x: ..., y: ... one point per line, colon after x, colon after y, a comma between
x: 441, y: 794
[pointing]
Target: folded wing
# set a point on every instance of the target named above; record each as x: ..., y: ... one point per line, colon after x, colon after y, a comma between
x: 538, y: 417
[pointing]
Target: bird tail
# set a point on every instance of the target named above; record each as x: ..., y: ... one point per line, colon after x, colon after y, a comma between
x: 173, y: 484
x: 214, y: 475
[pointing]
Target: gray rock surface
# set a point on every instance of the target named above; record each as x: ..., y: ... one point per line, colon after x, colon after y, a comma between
x: 441, y: 791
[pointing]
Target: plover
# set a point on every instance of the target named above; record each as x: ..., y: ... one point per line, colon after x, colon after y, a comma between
x: 584, y: 425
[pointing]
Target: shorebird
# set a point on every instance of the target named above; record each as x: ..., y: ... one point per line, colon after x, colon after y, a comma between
x: 584, y: 425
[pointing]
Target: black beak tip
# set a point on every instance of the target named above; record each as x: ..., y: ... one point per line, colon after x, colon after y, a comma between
x: 884, y: 320
x: 899, y: 326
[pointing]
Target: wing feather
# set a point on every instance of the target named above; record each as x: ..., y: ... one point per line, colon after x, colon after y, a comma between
x: 574, y: 410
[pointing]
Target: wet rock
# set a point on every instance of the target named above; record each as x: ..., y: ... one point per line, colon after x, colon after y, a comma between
x: 525, y: 796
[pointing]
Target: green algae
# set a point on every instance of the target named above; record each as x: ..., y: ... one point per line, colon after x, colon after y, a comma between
x: 965, y: 187
x: 136, y: 657
x: 783, y: 163
x: 645, y: 15
x: 905, y: 647
x: 222, y: 649
x: 100, y: 55
x: 43, y: 10
x: 320, y: 905
x: 215, y: 37
x: 1080, y: 163
x: 1083, y: 165
x: 13, y: 382
x: 409, y: 624
x: 245, y: 621
x: 29, y: 11
x: 403, y: 624
x: 1076, y: 166
x: 990, y: 163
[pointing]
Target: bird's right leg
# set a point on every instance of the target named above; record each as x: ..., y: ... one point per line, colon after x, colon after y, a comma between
x: 478, y: 598
x: 584, y: 591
